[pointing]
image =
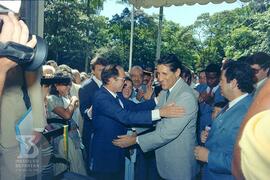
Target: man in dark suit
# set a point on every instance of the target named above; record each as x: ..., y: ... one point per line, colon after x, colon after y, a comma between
x: 236, y: 84
x: 86, y: 96
x: 111, y: 114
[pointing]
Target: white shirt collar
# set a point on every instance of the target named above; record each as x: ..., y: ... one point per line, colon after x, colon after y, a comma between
x: 213, y: 90
x: 260, y: 82
x: 137, y: 88
x: 236, y: 100
x: 99, y: 83
x: 112, y: 93
x: 174, y: 84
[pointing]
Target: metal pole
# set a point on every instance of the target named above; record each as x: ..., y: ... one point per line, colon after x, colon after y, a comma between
x: 33, y: 13
x: 159, y: 32
x: 131, y: 39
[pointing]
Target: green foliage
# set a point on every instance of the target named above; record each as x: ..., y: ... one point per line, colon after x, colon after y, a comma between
x: 71, y: 32
x: 75, y: 33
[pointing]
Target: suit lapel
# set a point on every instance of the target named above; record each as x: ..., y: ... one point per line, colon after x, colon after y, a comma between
x: 179, y: 84
x: 162, y: 99
x: 221, y: 119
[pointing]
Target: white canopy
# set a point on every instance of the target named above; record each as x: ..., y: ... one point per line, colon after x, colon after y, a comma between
x: 167, y: 3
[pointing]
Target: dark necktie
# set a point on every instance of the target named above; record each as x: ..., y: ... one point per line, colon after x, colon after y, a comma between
x: 167, y: 95
x: 224, y: 109
x: 120, y: 102
x: 210, y: 91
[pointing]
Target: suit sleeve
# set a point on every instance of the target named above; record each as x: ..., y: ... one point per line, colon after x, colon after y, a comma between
x: 111, y: 108
x: 146, y: 105
x: 85, y: 102
x: 170, y: 128
x: 221, y: 161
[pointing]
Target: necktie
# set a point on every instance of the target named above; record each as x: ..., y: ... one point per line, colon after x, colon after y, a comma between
x: 224, y: 109
x: 120, y: 102
x: 210, y: 91
x: 167, y: 95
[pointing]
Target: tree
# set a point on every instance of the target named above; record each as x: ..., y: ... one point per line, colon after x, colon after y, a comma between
x: 72, y: 34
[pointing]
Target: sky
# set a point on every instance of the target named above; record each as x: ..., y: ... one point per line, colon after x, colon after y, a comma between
x: 184, y: 15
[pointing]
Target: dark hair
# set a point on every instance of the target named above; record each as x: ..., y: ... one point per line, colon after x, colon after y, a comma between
x: 172, y: 61
x: 128, y: 79
x: 260, y: 58
x: 61, y: 79
x: 108, y: 72
x: 226, y: 63
x: 221, y: 104
x: 243, y: 59
x: 98, y: 61
x: 213, y: 68
x: 243, y: 73
x: 201, y: 71
x: 186, y: 74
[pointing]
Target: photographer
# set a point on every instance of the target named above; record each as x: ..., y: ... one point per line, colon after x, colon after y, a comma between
x: 20, y: 93
x: 16, y: 31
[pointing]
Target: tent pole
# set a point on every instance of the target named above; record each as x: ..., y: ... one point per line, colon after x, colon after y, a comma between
x: 131, y: 39
x: 159, y: 32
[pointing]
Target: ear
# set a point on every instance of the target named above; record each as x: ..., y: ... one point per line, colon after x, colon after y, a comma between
x: 178, y: 72
x: 233, y: 83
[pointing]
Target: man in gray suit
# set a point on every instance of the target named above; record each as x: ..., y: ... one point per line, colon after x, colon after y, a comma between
x: 174, y: 138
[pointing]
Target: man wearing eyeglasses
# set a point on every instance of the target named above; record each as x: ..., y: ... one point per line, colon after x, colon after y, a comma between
x: 111, y: 114
x: 260, y: 63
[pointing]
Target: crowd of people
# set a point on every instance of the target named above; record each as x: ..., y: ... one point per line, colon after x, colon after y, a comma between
x: 148, y: 123
x: 153, y: 124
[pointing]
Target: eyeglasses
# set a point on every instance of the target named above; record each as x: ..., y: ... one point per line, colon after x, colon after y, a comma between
x: 256, y: 71
x: 119, y: 78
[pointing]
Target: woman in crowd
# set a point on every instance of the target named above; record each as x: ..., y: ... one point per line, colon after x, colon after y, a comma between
x: 60, y: 110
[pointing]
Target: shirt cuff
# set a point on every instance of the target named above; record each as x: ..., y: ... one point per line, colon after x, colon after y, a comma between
x: 89, y: 114
x: 156, y: 100
x: 155, y: 115
x: 137, y: 139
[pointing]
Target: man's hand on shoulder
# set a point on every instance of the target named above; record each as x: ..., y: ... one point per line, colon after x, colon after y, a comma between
x: 171, y: 111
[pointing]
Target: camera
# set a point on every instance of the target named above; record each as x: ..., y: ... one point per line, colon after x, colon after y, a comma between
x: 30, y: 59
x: 55, y: 79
